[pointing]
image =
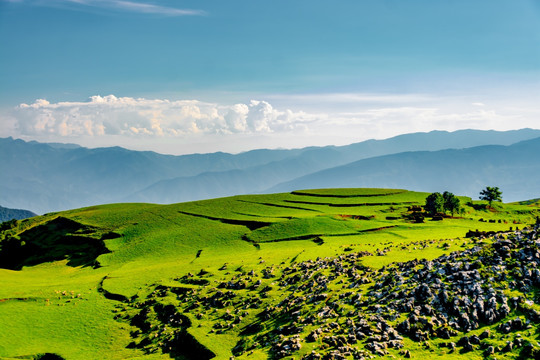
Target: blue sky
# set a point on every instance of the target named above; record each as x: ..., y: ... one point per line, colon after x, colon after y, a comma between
x: 183, y: 76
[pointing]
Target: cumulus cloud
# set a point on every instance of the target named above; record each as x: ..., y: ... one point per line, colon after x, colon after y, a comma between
x: 164, y: 125
x: 111, y: 115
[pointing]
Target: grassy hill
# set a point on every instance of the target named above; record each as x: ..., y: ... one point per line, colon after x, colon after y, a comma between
x: 290, y: 275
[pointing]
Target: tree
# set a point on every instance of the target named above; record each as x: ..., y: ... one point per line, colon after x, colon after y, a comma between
x: 491, y: 194
x: 434, y: 203
x: 451, y: 202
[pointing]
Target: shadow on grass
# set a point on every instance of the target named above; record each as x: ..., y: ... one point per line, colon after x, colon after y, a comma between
x: 58, y: 239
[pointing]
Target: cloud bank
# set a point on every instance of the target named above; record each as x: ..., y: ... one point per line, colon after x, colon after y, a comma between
x: 183, y: 126
x: 127, y: 116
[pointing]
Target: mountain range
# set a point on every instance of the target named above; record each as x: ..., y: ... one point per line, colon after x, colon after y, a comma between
x: 51, y: 177
x: 514, y: 168
x: 7, y: 214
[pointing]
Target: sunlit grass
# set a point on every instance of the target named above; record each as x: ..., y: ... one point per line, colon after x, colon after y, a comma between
x: 159, y: 243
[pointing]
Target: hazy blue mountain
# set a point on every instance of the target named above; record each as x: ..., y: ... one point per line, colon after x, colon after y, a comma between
x: 234, y: 182
x: 7, y: 214
x: 58, y: 145
x: 515, y: 169
x: 259, y: 178
x: 439, y: 140
x: 48, y: 177
x: 51, y: 177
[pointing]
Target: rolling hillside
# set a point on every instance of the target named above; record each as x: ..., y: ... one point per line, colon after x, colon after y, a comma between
x: 271, y: 276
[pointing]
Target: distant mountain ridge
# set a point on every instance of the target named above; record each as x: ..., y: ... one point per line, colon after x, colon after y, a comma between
x: 514, y: 168
x: 257, y: 179
x: 51, y: 177
x: 7, y: 214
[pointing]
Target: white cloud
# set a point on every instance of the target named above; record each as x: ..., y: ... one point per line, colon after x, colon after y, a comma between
x: 179, y: 126
x: 111, y: 115
x: 235, y: 118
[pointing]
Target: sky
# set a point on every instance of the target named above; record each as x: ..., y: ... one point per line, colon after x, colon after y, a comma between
x: 233, y: 75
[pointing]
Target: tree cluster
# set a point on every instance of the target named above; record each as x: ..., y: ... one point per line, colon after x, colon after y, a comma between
x: 437, y: 203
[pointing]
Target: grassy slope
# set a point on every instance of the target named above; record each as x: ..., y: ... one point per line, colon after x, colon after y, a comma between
x: 160, y: 243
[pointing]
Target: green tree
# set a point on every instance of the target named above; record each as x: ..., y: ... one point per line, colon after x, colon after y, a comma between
x: 451, y: 202
x: 434, y: 203
x: 491, y: 194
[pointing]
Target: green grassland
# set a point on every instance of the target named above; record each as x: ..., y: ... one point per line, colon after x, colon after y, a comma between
x: 140, y: 280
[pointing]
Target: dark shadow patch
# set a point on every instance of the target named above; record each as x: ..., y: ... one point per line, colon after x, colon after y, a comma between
x: 252, y: 242
x: 477, y: 207
x: 318, y: 240
x: 251, y: 225
x: 110, y: 235
x: 296, y: 257
x: 58, y: 239
x: 24, y: 299
x: 193, y: 281
x: 314, y: 237
x: 181, y: 345
x: 374, y: 229
x: 8, y: 225
x: 45, y: 356
x: 281, y: 206
x: 251, y: 329
x: 478, y: 233
x: 48, y: 356
x: 362, y: 217
x: 109, y: 295
x: 348, y: 205
x: 179, y: 290
x: 184, y: 346
x: 300, y: 193
x: 264, y: 216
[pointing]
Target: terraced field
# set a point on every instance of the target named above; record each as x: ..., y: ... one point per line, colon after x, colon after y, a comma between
x: 309, y: 274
